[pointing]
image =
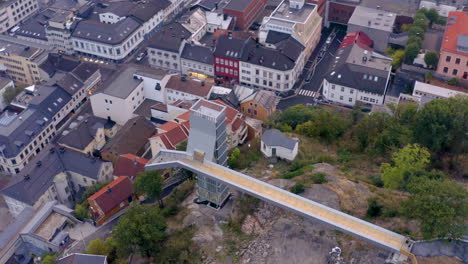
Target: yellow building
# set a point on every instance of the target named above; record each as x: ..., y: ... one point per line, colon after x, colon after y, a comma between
x: 21, y: 62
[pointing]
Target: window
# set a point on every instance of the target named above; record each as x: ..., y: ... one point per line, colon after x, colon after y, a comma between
x: 105, y: 100
x: 333, y: 87
x: 342, y: 88
x: 351, y: 91
x: 454, y: 72
x: 332, y: 95
x: 457, y: 61
x: 350, y: 100
x: 341, y: 97
x: 13, y: 161
x: 445, y: 69
x: 448, y: 59
x: 257, y: 71
x: 255, y: 112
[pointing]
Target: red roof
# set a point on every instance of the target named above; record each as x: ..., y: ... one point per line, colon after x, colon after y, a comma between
x: 237, y: 123
x: 457, y: 25
x: 113, y: 194
x: 189, y: 85
x: 359, y: 38
x: 129, y: 165
x: 185, y: 116
x: 175, y: 135
x: 230, y: 112
x: 169, y: 125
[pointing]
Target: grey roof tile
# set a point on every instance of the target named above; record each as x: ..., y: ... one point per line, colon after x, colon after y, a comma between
x: 273, y: 137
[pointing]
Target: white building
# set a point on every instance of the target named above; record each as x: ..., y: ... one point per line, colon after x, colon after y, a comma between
x: 197, y: 61
x: 165, y: 47
x: 295, y: 18
x: 112, y: 42
x: 276, y: 144
x: 14, y: 12
x: 186, y: 89
x: 271, y: 69
x: 357, y: 74
x: 130, y: 87
x: 430, y: 91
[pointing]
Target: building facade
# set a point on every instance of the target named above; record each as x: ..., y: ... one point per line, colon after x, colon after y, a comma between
x: 14, y: 12
x: 197, y: 62
x: 21, y: 62
x: 453, y: 58
x: 244, y: 11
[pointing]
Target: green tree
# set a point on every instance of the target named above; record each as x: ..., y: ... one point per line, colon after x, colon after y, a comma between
x: 412, y: 51
x: 441, y: 205
x: 374, y: 208
x: 415, y: 39
x: 431, y: 58
x: 285, y: 128
x: 98, y: 247
x: 233, y: 160
x: 49, y: 259
x: 150, y: 183
x: 432, y: 15
x: 11, y: 92
x: 81, y: 211
x: 405, y: 27
x: 397, y: 57
x: 325, y: 125
x: 182, y: 146
x: 408, y: 160
x: 92, y: 190
x: 296, y: 115
x: 141, y: 230
x: 416, y: 31
x: 442, y: 125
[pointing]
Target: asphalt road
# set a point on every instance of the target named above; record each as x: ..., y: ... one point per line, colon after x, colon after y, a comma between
x: 312, y: 87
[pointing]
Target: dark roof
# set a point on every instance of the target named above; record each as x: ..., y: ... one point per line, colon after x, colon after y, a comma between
x: 282, y: 58
x: 357, y: 74
x: 18, y: 130
x: 113, y: 194
x: 58, y: 62
x: 132, y: 137
x: 169, y: 37
x: 197, y: 53
x: 230, y: 47
x: 230, y: 99
x: 4, y: 81
x: 274, y: 37
x: 70, y: 84
x: 80, y: 136
x: 238, y: 5
x: 144, y: 11
x: 119, y: 8
x: 189, y: 85
x: 273, y: 137
x: 85, y: 70
x: 42, y: 177
x: 106, y: 33
x: 78, y: 258
x: 208, y: 5
x: 144, y: 109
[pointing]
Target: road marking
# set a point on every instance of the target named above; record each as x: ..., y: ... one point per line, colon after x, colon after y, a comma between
x: 307, y: 93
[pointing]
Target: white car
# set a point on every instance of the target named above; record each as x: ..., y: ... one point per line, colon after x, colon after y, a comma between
x: 328, y: 41
x: 140, y: 56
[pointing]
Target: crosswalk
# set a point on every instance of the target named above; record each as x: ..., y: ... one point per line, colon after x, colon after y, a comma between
x: 307, y: 93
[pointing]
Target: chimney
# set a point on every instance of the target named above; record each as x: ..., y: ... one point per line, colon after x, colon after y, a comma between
x: 182, y: 78
x: 26, y: 177
x: 225, y: 17
x: 216, y: 6
x: 51, y: 150
x: 39, y: 163
x: 109, y: 190
x: 369, y: 23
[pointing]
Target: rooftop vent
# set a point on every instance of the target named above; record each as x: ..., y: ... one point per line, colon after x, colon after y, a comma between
x: 39, y: 163
x: 109, y: 190
x: 52, y: 150
x: 27, y: 177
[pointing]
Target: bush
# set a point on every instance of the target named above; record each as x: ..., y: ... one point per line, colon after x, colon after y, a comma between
x: 453, y: 81
x: 10, y: 93
x: 325, y: 159
x: 297, y: 170
x: 319, y: 178
x: 374, y: 208
x: 81, y: 211
x: 377, y: 181
x: 344, y: 156
x: 298, y: 188
x: 431, y: 58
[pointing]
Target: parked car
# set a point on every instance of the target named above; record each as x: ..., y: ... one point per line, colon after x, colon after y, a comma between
x: 328, y: 41
x: 140, y: 56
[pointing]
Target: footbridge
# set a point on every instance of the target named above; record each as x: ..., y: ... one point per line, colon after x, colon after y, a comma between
x: 334, y: 218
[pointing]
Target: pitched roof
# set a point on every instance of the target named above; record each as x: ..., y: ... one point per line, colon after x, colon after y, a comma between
x: 282, y: 58
x: 132, y: 137
x: 122, y: 83
x: 113, y: 194
x: 266, y: 99
x: 52, y: 162
x: 456, y: 33
x: 231, y: 47
x: 197, y: 53
x: 273, y: 137
x: 361, y: 69
x: 360, y: 38
x: 106, y: 33
x: 189, y: 85
x: 129, y: 165
x: 80, y: 135
x: 78, y: 258
x: 169, y: 37
x: 174, y: 133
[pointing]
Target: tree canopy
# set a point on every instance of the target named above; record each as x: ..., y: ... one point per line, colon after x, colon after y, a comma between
x: 431, y: 58
x: 441, y: 205
x: 140, y: 230
x: 150, y: 183
x: 408, y: 160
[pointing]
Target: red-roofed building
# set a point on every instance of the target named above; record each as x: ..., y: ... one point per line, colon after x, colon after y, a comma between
x: 453, y: 59
x: 172, y: 133
x: 111, y: 199
x: 360, y: 38
x: 129, y: 165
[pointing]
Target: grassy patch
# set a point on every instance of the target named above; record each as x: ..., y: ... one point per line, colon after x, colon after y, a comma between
x: 298, y: 188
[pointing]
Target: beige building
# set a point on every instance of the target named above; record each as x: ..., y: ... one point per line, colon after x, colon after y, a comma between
x: 14, y: 12
x: 21, y: 62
